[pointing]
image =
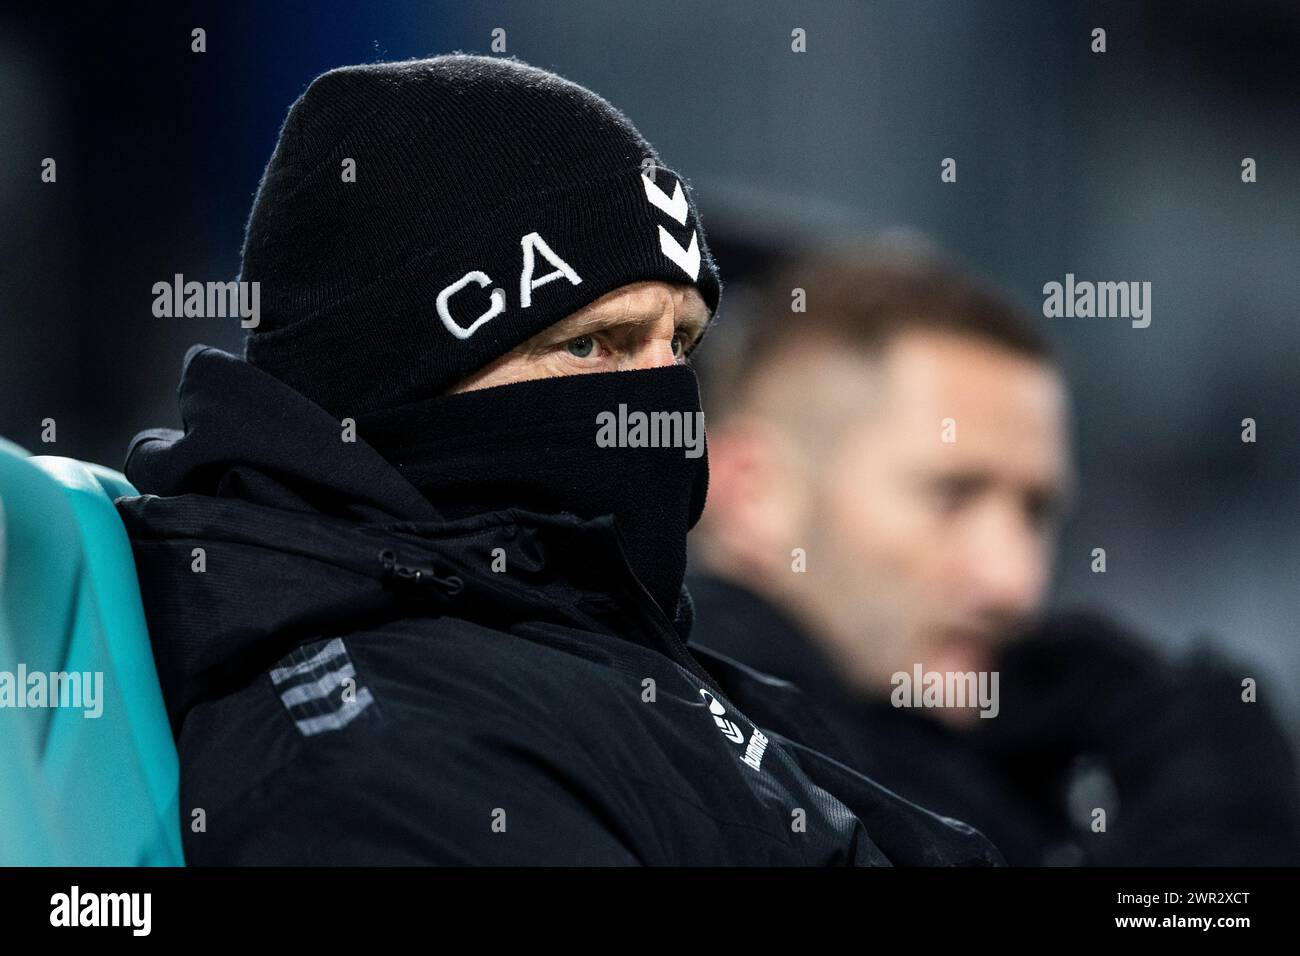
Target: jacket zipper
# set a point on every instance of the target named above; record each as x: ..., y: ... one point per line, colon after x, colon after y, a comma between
x: 680, y: 652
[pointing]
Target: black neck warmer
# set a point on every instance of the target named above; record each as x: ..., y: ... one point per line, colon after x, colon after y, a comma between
x: 565, y: 445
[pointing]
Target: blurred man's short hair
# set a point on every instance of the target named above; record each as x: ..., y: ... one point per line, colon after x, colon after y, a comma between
x: 862, y: 294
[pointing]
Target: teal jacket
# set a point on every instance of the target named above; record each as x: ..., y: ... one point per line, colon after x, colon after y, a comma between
x: 93, y: 782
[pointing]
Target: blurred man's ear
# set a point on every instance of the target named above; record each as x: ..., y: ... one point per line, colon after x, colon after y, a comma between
x: 760, y: 489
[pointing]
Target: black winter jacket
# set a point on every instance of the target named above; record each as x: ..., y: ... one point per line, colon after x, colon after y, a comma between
x: 354, y: 680
x: 1188, y: 774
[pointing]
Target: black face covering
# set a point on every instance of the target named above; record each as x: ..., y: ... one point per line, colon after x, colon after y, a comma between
x: 585, y: 444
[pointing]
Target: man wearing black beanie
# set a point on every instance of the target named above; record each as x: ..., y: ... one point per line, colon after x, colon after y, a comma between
x: 413, y: 570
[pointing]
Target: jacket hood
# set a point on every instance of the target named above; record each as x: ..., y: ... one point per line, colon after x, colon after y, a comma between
x: 259, y: 528
x: 247, y: 435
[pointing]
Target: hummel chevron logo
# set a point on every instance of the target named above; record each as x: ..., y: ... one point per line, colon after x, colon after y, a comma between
x: 688, y: 259
x: 728, y: 727
x: 675, y: 207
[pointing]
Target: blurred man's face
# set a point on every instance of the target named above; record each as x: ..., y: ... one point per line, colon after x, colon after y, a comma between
x: 919, y: 550
x: 936, y: 551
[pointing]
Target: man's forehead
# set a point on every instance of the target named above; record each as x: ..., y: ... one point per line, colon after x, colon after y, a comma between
x: 643, y: 302
x: 978, y: 377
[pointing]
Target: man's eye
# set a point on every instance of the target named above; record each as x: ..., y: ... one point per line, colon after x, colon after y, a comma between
x: 950, y: 495
x: 679, y: 345
x: 581, y: 347
x: 1042, y: 511
x: 944, y: 498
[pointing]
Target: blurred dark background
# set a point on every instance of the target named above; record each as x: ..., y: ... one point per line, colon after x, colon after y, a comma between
x: 1122, y: 166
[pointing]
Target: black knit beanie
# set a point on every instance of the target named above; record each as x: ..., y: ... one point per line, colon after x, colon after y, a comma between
x: 491, y: 199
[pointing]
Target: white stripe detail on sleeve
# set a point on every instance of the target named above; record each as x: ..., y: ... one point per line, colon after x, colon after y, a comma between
x: 338, y: 719
x: 330, y: 651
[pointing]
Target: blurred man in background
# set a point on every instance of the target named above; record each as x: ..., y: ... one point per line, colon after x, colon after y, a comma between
x: 890, y: 464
